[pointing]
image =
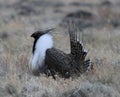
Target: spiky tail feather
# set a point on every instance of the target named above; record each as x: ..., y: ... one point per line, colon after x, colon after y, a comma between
x: 77, y: 50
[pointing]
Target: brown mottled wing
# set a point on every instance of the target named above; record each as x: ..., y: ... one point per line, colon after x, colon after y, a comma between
x: 58, y: 61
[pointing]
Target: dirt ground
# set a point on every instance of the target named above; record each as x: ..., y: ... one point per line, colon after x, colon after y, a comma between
x: 20, y: 18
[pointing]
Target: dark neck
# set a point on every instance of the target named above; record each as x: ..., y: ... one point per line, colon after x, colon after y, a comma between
x: 34, y: 44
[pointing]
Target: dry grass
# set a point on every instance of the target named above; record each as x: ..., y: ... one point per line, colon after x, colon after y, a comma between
x: 103, y: 79
x: 15, y: 51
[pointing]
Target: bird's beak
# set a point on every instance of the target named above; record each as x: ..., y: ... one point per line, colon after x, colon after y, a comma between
x: 32, y: 35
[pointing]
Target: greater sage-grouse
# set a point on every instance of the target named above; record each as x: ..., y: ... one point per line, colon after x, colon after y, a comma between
x: 49, y: 60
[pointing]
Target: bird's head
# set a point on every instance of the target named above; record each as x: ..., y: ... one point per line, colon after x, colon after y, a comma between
x: 37, y: 34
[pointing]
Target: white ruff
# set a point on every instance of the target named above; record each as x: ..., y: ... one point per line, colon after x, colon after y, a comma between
x: 43, y: 43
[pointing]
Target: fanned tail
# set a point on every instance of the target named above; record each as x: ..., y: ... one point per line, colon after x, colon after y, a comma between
x: 77, y: 50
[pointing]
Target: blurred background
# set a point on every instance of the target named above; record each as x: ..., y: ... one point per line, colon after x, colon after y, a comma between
x: 99, y: 21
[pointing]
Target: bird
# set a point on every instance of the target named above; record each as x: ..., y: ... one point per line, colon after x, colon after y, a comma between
x: 42, y: 42
x: 49, y: 60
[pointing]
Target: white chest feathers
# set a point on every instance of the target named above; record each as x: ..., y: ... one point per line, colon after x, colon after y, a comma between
x: 43, y: 43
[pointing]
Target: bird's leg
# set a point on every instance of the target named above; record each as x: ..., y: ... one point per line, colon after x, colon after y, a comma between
x: 53, y: 74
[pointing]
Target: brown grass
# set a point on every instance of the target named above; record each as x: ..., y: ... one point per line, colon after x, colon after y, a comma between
x: 103, y: 46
